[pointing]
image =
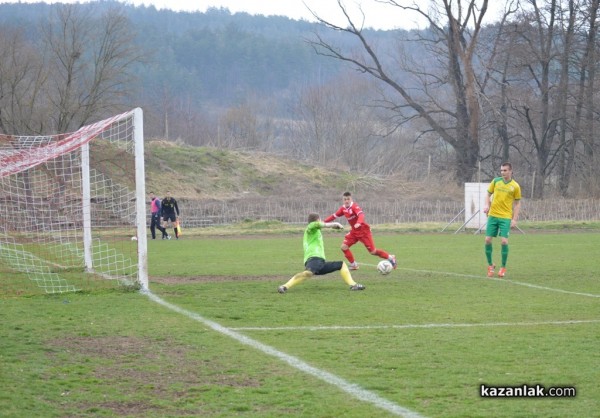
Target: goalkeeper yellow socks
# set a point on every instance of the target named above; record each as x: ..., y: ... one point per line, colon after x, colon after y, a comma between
x: 345, y: 272
x: 298, y: 278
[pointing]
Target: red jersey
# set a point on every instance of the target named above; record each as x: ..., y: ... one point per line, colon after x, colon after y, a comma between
x: 353, y: 214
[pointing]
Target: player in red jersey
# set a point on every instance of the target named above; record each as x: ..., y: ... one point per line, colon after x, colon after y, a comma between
x: 360, y: 231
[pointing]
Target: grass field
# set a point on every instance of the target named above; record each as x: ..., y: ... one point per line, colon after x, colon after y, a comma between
x: 215, y: 339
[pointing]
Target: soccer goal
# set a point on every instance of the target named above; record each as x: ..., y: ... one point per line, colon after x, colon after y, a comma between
x: 74, y: 216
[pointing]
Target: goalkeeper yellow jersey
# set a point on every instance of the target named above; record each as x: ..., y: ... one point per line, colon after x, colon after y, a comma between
x: 503, y: 196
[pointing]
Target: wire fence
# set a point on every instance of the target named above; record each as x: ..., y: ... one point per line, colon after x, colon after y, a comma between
x: 199, y: 214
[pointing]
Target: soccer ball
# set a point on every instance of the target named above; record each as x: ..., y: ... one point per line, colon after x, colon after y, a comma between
x: 134, y: 238
x: 385, y: 267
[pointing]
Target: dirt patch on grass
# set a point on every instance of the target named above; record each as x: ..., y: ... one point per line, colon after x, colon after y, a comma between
x: 136, y: 376
x: 211, y: 279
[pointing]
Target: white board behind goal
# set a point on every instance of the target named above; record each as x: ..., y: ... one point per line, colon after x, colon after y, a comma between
x: 474, y: 203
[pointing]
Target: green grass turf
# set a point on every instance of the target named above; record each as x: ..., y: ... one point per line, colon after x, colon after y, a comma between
x: 423, y: 338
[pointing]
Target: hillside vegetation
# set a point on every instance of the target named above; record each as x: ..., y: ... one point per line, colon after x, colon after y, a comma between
x: 205, y: 173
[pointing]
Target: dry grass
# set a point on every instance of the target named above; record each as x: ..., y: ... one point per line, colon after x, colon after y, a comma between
x: 204, y: 173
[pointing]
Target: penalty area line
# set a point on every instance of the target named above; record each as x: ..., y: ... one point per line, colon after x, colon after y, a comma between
x: 417, y: 326
x: 352, y: 389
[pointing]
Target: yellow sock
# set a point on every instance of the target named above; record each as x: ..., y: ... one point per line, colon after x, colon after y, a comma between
x: 345, y: 272
x: 298, y: 278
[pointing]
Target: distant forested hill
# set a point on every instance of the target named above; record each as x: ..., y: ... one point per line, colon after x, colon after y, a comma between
x: 217, y: 55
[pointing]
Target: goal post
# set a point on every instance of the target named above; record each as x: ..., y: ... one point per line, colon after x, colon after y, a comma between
x: 75, y: 210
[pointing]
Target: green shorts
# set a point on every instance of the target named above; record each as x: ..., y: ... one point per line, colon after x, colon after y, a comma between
x: 497, y: 226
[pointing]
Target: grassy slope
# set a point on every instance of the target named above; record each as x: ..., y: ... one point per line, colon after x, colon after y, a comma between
x: 209, y: 173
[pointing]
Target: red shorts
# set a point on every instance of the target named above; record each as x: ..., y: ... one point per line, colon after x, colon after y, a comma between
x: 363, y: 234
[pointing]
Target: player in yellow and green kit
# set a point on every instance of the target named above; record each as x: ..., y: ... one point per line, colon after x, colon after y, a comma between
x: 503, y: 213
x: 314, y: 256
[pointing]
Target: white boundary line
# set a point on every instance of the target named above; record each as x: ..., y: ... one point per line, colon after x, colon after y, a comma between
x: 416, y: 326
x: 350, y: 388
x: 473, y: 276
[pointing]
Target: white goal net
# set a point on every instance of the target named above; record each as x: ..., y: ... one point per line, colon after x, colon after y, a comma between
x: 74, y: 209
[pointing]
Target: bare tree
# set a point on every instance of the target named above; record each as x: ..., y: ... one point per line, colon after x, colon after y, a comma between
x: 23, y: 75
x: 248, y: 126
x: 90, y: 60
x: 240, y: 128
x: 567, y: 142
x: 448, y: 99
x: 332, y: 127
x: 589, y: 66
x: 543, y: 54
x: 494, y: 54
x: 541, y: 120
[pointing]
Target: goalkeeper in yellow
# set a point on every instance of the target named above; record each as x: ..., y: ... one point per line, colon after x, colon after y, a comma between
x: 314, y: 256
x: 502, y: 205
